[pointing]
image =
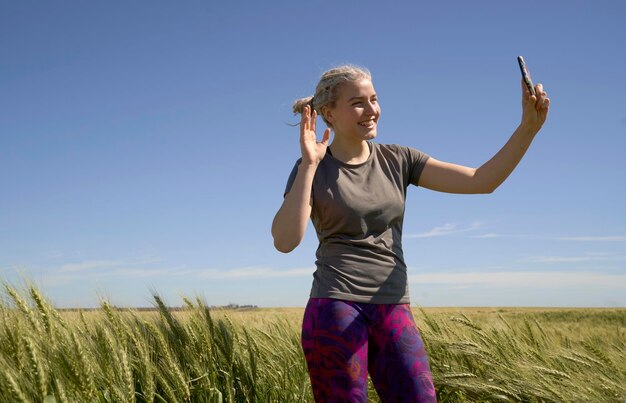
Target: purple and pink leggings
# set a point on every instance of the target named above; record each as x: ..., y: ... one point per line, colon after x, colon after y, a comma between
x: 344, y: 340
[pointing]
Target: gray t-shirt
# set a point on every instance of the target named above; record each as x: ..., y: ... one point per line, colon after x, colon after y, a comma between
x: 358, y: 212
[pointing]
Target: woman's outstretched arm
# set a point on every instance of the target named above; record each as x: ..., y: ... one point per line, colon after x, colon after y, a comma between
x: 451, y: 178
x: 291, y: 220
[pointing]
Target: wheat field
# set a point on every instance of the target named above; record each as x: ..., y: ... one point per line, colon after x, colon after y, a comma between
x: 199, y: 354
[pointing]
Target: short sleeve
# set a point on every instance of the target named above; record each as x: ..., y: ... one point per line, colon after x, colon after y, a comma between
x: 417, y: 162
x: 292, y: 177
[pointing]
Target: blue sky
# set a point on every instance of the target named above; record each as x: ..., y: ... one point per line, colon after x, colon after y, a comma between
x: 144, y: 146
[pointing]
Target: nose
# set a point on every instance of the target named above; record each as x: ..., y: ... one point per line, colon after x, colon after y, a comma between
x: 370, y: 108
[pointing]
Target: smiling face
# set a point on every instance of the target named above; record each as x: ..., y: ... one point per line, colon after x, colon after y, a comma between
x: 355, y: 114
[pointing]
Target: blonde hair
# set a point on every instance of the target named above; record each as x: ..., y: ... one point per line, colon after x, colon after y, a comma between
x: 327, y: 90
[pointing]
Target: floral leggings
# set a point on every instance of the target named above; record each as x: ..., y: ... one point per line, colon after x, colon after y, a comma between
x: 343, y: 340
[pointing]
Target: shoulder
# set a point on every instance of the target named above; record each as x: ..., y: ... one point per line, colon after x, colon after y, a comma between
x: 400, y: 152
x: 389, y: 149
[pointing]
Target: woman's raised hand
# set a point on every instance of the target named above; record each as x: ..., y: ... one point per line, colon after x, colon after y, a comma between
x: 534, y: 107
x: 312, y: 151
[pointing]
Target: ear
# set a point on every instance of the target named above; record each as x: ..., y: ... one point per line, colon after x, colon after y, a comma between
x: 328, y: 114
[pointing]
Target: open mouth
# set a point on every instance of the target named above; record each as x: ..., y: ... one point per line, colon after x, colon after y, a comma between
x: 368, y: 123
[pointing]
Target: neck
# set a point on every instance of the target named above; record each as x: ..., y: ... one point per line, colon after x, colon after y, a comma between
x: 350, y: 152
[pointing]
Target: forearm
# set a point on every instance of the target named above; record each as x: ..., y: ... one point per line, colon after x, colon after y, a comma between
x: 534, y: 113
x: 290, y: 222
x: 495, y: 171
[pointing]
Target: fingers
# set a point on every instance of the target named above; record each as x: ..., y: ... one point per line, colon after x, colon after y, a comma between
x: 326, y: 137
x: 527, y: 97
x: 305, y: 121
x: 525, y: 91
x: 538, y: 101
x: 540, y: 92
x: 308, y: 120
x: 542, y: 98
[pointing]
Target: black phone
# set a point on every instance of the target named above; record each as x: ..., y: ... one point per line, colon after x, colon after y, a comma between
x: 525, y: 75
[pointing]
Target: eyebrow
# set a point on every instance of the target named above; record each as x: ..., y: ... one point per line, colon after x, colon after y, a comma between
x: 361, y: 97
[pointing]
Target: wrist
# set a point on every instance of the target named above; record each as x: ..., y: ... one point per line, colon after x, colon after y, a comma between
x: 308, y: 167
x: 309, y: 163
x: 528, y: 128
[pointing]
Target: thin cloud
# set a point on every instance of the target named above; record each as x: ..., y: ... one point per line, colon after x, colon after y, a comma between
x: 592, y: 238
x: 255, y: 273
x: 54, y: 254
x: 522, y: 279
x: 485, y: 236
x: 55, y: 279
x: 173, y: 271
x: 444, y: 230
x: 610, y: 238
x: 493, y: 235
x: 589, y: 257
x: 90, y: 265
x: 58, y: 278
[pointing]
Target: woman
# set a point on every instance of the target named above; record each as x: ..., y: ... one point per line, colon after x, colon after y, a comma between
x: 358, y: 317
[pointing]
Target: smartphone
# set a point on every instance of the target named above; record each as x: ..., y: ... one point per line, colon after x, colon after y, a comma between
x: 525, y: 75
